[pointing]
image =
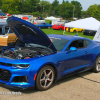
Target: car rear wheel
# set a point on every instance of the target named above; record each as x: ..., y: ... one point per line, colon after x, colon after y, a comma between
x: 60, y: 28
x: 39, y: 27
x: 45, y: 78
x: 74, y: 31
x: 96, y: 67
x: 49, y: 27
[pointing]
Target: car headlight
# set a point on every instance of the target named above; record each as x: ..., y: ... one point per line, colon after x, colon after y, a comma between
x: 20, y: 65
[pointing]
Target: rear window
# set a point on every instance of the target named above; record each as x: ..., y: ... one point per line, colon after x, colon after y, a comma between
x: 58, y: 43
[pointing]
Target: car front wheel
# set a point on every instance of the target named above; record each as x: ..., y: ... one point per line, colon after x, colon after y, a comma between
x: 96, y: 67
x: 45, y: 78
x: 49, y: 27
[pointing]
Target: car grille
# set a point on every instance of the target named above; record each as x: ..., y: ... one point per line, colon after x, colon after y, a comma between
x: 5, y: 75
x: 5, y: 64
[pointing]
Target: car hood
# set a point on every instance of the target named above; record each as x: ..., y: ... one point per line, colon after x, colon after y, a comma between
x: 29, y: 33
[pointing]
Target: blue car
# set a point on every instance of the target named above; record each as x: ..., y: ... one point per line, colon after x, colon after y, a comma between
x: 38, y: 60
x: 43, y: 25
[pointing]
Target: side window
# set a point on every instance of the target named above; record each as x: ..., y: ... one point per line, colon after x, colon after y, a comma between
x: 87, y: 43
x: 78, y: 44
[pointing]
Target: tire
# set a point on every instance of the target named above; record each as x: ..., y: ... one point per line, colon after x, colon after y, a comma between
x: 49, y: 27
x: 74, y: 31
x: 60, y: 29
x: 45, y: 78
x: 96, y: 67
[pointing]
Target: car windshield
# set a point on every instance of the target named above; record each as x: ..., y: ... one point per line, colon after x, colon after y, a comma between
x: 58, y: 43
x: 58, y: 24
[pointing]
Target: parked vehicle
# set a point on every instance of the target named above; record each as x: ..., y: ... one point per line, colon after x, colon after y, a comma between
x: 67, y: 21
x: 5, y: 38
x: 89, y: 32
x: 39, y: 62
x: 43, y: 25
x: 59, y: 27
x: 69, y: 29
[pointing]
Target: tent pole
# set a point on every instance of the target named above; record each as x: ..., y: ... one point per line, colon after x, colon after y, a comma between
x: 64, y: 29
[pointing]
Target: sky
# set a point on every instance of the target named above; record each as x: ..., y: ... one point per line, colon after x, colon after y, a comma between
x: 85, y: 3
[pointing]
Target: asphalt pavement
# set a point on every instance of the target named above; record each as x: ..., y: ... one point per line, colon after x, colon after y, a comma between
x: 84, y: 86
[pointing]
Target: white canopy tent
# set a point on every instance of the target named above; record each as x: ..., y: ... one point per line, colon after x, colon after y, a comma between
x: 86, y: 23
x: 54, y: 19
x: 97, y: 35
x: 50, y: 18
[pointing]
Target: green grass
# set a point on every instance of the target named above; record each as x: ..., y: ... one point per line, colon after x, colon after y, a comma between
x: 48, y: 21
x: 51, y: 31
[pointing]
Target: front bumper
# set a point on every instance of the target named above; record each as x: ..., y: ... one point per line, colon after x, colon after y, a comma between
x: 15, y: 72
x: 15, y: 87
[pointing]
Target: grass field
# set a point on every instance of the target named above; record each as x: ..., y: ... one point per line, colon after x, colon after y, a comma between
x: 51, y: 31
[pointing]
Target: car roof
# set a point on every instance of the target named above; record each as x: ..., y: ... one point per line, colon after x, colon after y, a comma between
x: 67, y: 37
x: 43, y: 22
x: 59, y: 24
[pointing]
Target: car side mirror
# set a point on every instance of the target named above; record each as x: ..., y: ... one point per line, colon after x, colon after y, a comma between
x: 72, y: 49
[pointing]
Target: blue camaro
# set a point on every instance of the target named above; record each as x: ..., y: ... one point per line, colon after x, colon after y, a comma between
x: 43, y: 25
x: 39, y: 60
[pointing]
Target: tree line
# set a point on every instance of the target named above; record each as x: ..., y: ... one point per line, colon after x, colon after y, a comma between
x: 44, y: 8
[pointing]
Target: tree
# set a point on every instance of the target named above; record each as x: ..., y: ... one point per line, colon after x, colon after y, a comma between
x: 29, y: 6
x: 33, y: 5
x: 55, y: 4
x: 94, y: 11
x: 78, y: 8
x: 53, y: 7
x: 0, y: 3
x: 19, y: 6
x: 11, y: 6
x: 63, y: 1
x: 66, y: 10
x: 84, y: 14
x: 45, y: 5
x: 36, y: 14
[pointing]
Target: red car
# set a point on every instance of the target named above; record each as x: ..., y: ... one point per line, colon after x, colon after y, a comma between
x: 59, y: 27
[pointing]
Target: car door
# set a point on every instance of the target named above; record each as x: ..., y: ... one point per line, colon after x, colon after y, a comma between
x: 76, y: 60
x: 62, y: 27
x: 79, y: 29
x: 45, y: 25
